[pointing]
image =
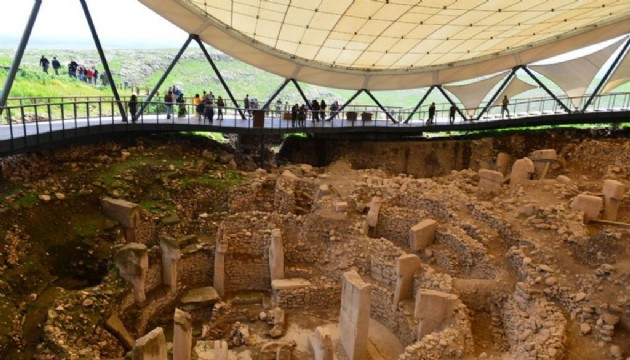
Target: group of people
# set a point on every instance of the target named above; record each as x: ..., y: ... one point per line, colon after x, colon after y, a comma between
x: 299, y: 113
x: 204, y: 106
x: 453, y: 110
x: 84, y: 73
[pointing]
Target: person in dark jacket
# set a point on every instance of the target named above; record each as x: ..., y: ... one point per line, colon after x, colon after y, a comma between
x: 133, y: 107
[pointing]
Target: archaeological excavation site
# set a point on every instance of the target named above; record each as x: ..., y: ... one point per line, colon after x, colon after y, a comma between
x: 174, y: 246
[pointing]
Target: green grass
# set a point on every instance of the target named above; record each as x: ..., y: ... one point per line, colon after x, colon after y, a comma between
x: 27, y: 200
x: 228, y: 179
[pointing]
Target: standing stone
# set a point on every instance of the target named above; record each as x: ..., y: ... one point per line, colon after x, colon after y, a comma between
x: 503, y: 161
x: 521, y: 171
x: 182, y: 335
x: 132, y: 261
x: 220, y: 350
x: 321, y: 344
x: 490, y: 181
x: 151, y: 346
x: 542, y: 161
x: 613, y: 194
x: 433, y: 309
x: 170, y: 255
x: 406, y: 266
x: 422, y: 234
x: 276, y: 255
x: 219, y: 261
x: 354, y: 318
x: 125, y: 212
x: 589, y: 204
x: 372, y: 215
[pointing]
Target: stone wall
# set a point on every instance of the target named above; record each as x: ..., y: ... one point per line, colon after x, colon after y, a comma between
x: 254, y: 195
x: 382, y: 310
x: 394, y: 224
x: 430, y: 279
x: 323, y: 293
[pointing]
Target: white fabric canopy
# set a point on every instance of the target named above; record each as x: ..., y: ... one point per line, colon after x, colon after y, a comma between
x: 620, y: 76
x: 516, y: 86
x: 394, y: 44
x: 471, y: 95
x: 574, y: 76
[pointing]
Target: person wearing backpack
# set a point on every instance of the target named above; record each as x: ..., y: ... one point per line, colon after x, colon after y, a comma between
x: 168, y: 101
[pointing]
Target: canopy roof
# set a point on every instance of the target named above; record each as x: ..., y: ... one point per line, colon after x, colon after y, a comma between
x: 395, y: 44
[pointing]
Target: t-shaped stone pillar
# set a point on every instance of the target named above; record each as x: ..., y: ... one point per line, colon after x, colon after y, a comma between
x: 591, y: 205
x: 521, y: 171
x: 433, y: 310
x: 406, y: 266
x: 125, y: 212
x: 354, y: 318
x: 503, y: 161
x: 613, y: 194
x: 490, y: 181
x: 151, y: 346
x: 170, y: 255
x: 543, y: 160
x: 372, y: 215
x: 132, y: 261
x: 220, y: 350
x: 219, y: 261
x: 276, y: 255
x: 422, y: 234
x: 182, y: 335
x: 321, y: 344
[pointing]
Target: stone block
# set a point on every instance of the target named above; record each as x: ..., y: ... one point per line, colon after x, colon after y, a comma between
x: 170, y: 255
x: 276, y: 255
x: 321, y: 344
x: 589, y: 204
x: 406, y: 267
x: 289, y: 284
x: 503, y: 161
x: 613, y: 189
x: 434, y: 310
x: 324, y: 190
x: 132, y: 261
x: 116, y: 327
x: 341, y: 206
x: 490, y: 181
x: 354, y: 317
x: 562, y: 179
x: 220, y: 350
x: 372, y: 215
x: 182, y: 335
x: 125, y: 212
x: 521, y: 171
x: 422, y: 234
x: 289, y: 175
x: 151, y: 346
x: 201, y: 296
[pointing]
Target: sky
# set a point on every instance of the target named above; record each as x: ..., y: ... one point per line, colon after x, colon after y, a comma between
x: 121, y: 24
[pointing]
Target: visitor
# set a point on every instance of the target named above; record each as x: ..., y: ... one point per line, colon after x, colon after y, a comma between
x: 56, y: 65
x: 181, y: 102
x: 334, y: 109
x: 431, y: 114
x: 504, y: 107
x: 315, y: 110
x: 198, y: 106
x: 302, y: 115
x: 90, y: 76
x: 168, y: 101
x: 133, y: 107
x: 294, y: 114
x: 43, y: 62
x: 96, y: 76
x: 451, y: 113
x: 279, y: 108
x: 322, y: 110
x: 246, y: 105
x: 72, y: 69
x: 208, y: 108
x: 220, y: 107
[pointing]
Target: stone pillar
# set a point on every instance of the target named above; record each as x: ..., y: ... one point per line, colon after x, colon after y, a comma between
x: 125, y: 212
x: 613, y: 194
x: 276, y: 255
x: 433, y: 310
x: 372, y: 215
x: 521, y: 171
x: 182, y: 335
x: 321, y: 344
x: 354, y: 318
x: 132, y: 261
x: 589, y: 204
x: 490, y: 182
x: 220, y: 350
x: 406, y: 266
x: 542, y: 161
x: 219, y: 261
x: 503, y: 161
x: 151, y: 346
x: 422, y: 234
x: 170, y: 255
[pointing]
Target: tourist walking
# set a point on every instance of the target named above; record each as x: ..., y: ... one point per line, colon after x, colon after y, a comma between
x: 431, y: 114
x: 43, y: 62
x: 294, y: 114
x: 504, y: 106
x: 56, y: 65
x: 246, y: 105
x: 451, y: 113
x: 133, y: 107
x: 322, y: 110
x: 168, y: 101
x: 220, y: 107
x: 198, y: 106
x: 315, y: 110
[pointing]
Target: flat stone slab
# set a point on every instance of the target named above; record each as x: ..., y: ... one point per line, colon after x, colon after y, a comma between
x: 204, y: 295
x: 288, y: 284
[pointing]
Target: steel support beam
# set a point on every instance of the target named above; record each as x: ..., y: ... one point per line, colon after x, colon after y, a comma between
x: 308, y: 103
x: 146, y: 102
x: 531, y: 74
x: 216, y: 71
x: 275, y: 93
x: 17, y: 59
x: 381, y: 106
x: 415, y: 110
x: 609, y: 72
x: 459, y: 111
x: 499, y: 91
x: 346, y: 103
x: 99, y: 48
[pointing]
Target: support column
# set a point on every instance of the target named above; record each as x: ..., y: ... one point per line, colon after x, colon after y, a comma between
x: 381, y: 106
x: 99, y: 48
x: 531, y: 74
x: 606, y: 76
x: 17, y: 59
x: 152, y: 346
x: 459, y: 111
x: 415, y: 110
x: 182, y: 335
x: 276, y: 255
x: 170, y: 255
x: 499, y: 90
x: 275, y: 93
x: 347, y: 103
x: 354, y: 318
x: 406, y: 266
x: 219, y: 262
x: 132, y: 261
x: 299, y: 89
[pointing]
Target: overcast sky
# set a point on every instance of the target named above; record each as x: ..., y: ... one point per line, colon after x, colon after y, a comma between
x: 61, y: 24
